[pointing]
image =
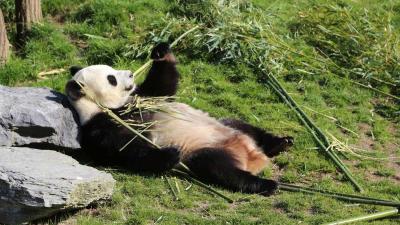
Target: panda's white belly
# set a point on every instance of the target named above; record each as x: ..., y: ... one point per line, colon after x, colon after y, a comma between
x: 188, y: 128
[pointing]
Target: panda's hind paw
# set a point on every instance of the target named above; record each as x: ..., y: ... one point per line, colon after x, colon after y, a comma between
x: 160, y: 51
x: 268, y: 187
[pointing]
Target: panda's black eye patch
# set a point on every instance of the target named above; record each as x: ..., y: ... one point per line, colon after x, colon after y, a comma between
x: 111, y: 79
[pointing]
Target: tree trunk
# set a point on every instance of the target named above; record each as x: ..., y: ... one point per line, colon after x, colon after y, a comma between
x: 4, y: 45
x: 27, y: 12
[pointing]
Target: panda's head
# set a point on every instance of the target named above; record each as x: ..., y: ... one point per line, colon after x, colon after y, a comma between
x: 109, y: 87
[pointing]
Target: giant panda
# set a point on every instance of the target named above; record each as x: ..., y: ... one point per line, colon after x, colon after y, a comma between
x: 228, y: 152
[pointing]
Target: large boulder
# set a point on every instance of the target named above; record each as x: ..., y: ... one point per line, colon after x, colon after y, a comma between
x: 38, y: 183
x: 38, y: 117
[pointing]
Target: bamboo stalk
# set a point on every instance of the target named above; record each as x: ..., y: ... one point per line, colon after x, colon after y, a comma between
x: 340, y: 196
x: 298, y: 109
x: 172, y: 188
x: 183, y: 35
x: 376, y: 90
x: 374, y: 216
x: 203, y: 185
x: 142, y: 68
x: 309, y: 125
x: 307, y: 121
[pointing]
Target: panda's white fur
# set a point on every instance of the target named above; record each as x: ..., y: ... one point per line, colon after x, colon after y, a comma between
x: 192, y: 129
x: 188, y: 128
x: 94, y: 80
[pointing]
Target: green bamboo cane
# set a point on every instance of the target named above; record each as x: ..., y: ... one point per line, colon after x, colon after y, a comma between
x: 307, y: 122
x: 374, y: 216
x: 345, y: 197
x: 302, y: 113
x: 329, y: 192
x: 203, y: 185
x: 376, y: 90
x: 172, y: 189
x: 302, y: 118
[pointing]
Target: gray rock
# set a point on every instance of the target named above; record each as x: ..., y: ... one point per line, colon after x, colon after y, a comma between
x: 38, y: 183
x: 38, y: 117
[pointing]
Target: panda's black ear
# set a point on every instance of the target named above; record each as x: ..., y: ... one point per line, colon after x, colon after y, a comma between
x: 74, y: 69
x: 74, y: 90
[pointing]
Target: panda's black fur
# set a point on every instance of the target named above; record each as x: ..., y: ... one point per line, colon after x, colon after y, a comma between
x: 215, y: 165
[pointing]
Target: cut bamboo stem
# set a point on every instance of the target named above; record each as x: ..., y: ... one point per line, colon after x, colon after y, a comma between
x: 374, y: 89
x: 340, y: 196
x: 374, y: 216
x: 183, y: 35
x: 313, y: 129
x: 203, y: 185
x: 172, y: 189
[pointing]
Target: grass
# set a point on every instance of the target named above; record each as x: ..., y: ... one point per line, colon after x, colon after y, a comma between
x: 312, y: 50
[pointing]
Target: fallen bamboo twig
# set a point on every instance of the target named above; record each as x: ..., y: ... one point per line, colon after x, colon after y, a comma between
x: 176, y: 198
x: 203, y: 185
x: 340, y: 196
x: 375, y: 89
x: 374, y: 216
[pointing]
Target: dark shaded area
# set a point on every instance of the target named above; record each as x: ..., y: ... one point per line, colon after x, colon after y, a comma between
x: 35, y: 131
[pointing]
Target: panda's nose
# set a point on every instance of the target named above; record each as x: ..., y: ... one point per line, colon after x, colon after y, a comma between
x: 129, y: 88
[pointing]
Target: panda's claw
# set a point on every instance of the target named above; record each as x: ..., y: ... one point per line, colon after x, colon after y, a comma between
x: 160, y: 51
x: 289, y: 141
x: 282, y: 145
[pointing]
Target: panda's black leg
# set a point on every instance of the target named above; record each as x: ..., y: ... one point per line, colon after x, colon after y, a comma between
x: 218, y: 167
x: 271, y: 144
x: 163, y: 77
x: 147, y: 159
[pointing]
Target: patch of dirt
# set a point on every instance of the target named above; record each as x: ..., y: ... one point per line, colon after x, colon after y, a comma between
x: 365, y: 141
x: 372, y: 176
x: 203, y: 208
x: 69, y: 221
x: 392, y: 149
x: 276, y: 172
x: 91, y: 212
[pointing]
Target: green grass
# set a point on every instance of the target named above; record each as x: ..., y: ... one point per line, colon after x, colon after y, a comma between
x: 120, y: 33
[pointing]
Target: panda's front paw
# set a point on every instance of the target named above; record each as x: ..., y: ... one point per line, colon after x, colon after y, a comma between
x: 281, y: 144
x: 160, y: 51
